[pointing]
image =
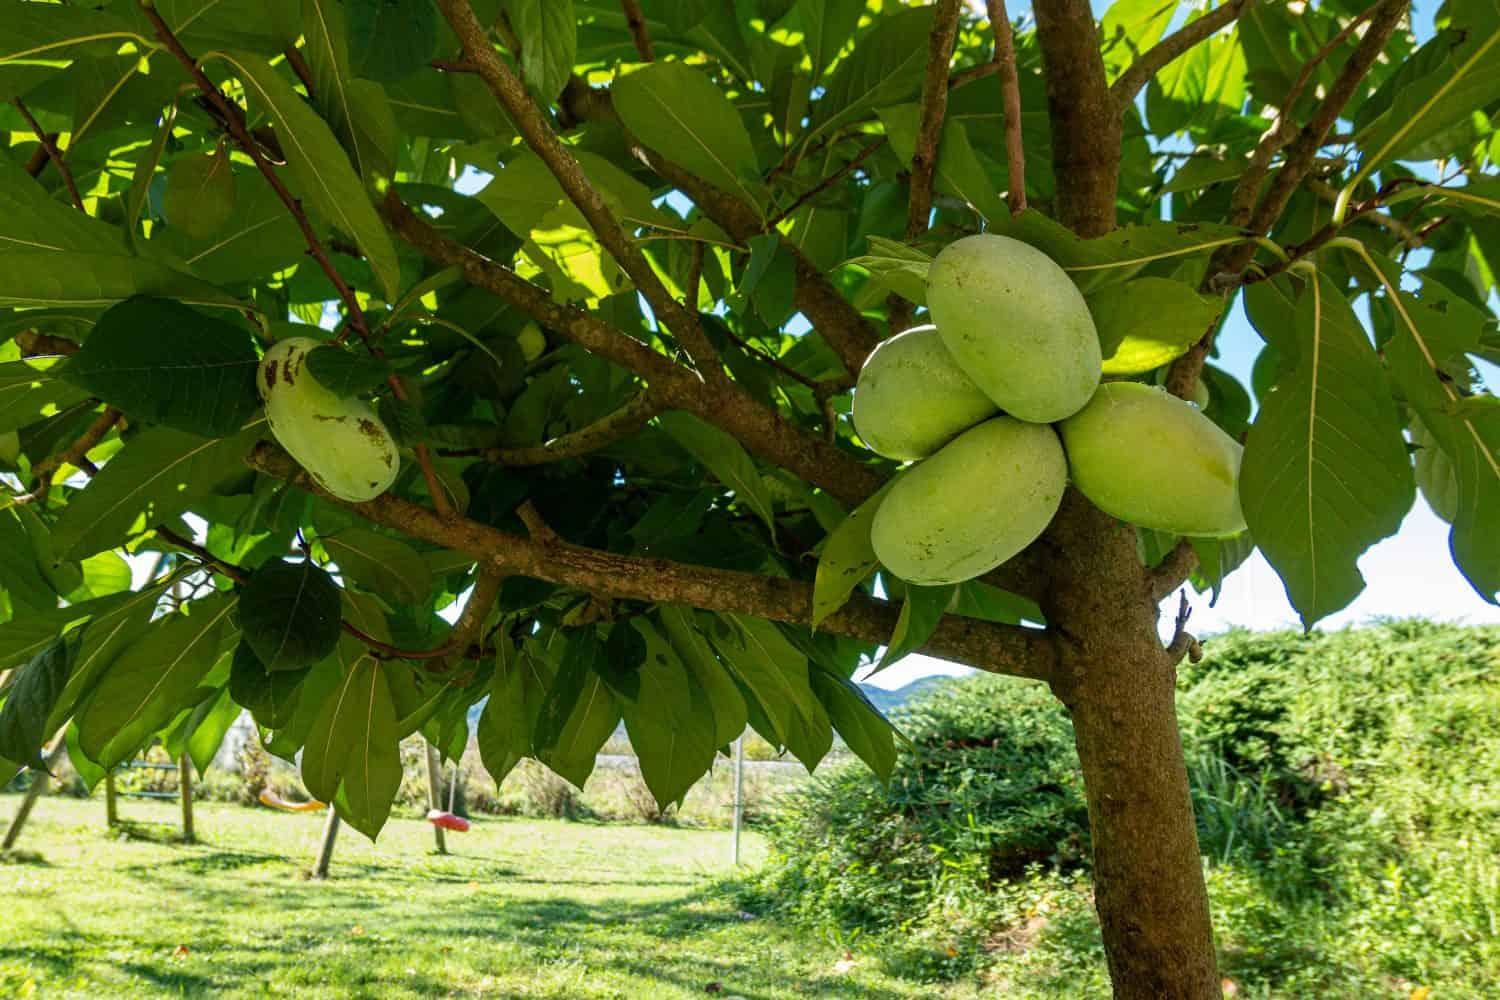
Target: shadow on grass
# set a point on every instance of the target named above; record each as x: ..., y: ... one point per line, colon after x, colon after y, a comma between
x: 14, y: 857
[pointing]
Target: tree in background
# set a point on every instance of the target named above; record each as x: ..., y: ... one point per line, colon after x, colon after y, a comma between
x: 607, y: 273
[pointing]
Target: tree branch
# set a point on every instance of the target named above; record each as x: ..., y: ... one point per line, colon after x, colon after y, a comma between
x: 725, y: 405
x: 829, y: 181
x: 511, y: 93
x: 934, y: 108
x: 636, y: 21
x: 1164, y: 52
x: 603, y: 432
x: 996, y: 648
x: 50, y: 148
x: 1086, y: 128
x: 76, y: 454
x: 1010, y: 99
x: 1173, y: 571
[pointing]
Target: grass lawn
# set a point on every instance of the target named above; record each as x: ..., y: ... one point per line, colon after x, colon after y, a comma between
x: 522, y: 908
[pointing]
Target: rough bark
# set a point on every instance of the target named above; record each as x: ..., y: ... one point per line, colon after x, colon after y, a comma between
x: 1112, y: 672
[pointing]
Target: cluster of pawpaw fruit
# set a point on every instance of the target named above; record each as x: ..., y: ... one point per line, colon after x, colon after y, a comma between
x: 1000, y: 404
x: 340, y: 441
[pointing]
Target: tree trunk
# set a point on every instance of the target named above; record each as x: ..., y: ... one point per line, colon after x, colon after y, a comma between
x: 1118, y: 683
x: 435, y: 792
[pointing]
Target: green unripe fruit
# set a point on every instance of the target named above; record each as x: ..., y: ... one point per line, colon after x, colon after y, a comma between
x: 340, y: 442
x: 982, y: 498
x: 912, y: 398
x: 1016, y: 323
x: 199, y: 198
x: 10, y: 447
x: 1147, y: 457
x: 532, y: 341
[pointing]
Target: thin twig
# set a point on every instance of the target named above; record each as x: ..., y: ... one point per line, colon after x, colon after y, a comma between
x: 1010, y: 99
x: 76, y: 453
x: 1156, y: 58
x: 636, y: 20
x: 828, y: 182
x: 603, y: 432
x: 234, y: 121
x: 934, y: 109
x: 299, y: 66
x: 50, y: 147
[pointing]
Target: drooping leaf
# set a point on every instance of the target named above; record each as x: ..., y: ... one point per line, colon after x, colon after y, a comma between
x: 390, y: 39
x: 846, y: 560
x: 958, y: 170
x: 158, y: 474
x: 677, y: 111
x: 548, y: 31
x: 321, y: 168
x: 510, y: 715
x: 669, y: 721
x: 723, y: 697
x: 777, y: 673
x: 921, y: 611
x: 353, y: 755
x: 899, y: 267
x: 578, y: 714
x: 1325, y: 472
x: 30, y: 699
x: 383, y: 564
x: 290, y: 614
x: 1148, y: 322
x: 357, y: 109
x: 885, y: 68
x: 860, y: 723
x: 153, y: 679
x: 269, y: 695
x: 345, y: 373
x: 725, y: 457
x: 827, y: 26
x: 210, y: 724
x: 162, y: 362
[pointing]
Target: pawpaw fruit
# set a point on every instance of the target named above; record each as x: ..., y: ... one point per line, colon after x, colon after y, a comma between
x: 979, y: 500
x: 1016, y: 323
x: 1145, y: 456
x: 912, y: 398
x: 342, y: 444
x: 199, y: 197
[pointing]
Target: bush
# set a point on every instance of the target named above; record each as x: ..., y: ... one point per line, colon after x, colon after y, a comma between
x: 1347, y: 789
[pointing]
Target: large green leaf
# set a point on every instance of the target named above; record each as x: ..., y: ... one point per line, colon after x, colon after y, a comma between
x: 383, y: 564
x: 391, y: 40
x: 162, y: 362
x: 579, y: 712
x: 1325, y: 472
x: 549, y: 42
x: 670, y: 722
x: 158, y: 474
x: 510, y: 715
x: 827, y: 26
x: 260, y: 238
x: 357, y: 109
x: 290, y: 614
x: 1130, y: 27
x: 270, y: 695
x: 207, y: 727
x: 27, y: 394
x: 353, y: 753
x: 725, y: 457
x: 322, y: 170
x: 777, y: 674
x: 847, y: 559
x: 31, y: 220
x: 921, y: 611
x: 723, y: 695
x: 1147, y: 322
x: 70, y: 278
x: 30, y: 699
x: 678, y: 112
x: 860, y: 723
x: 44, y: 32
x: 885, y: 68
x: 959, y: 171
x: 154, y: 679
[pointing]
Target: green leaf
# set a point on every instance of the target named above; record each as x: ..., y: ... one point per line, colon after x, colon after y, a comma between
x: 724, y: 699
x: 153, y: 679
x: 270, y: 695
x: 678, y: 112
x: 1130, y: 27
x: 353, y: 754
x: 777, y: 674
x: 68, y: 278
x: 669, y: 721
x: 920, y: 614
x: 846, y: 560
x: 510, y: 716
x: 383, y: 564
x: 158, y: 474
x: 827, y: 26
x: 885, y: 68
x: 30, y: 698
x: 1325, y: 471
x: 345, y: 373
x: 1148, y: 322
x: 725, y: 457
x: 860, y: 723
x: 145, y: 171
x: 958, y: 172
x: 901, y: 268
x: 27, y: 394
x: 322, y: 170
x: 390, y: 39
x: 260, y: 238
x: 162, y: 362
x: 1217, y: 558
x: 103, y: 639
x: 31, y: 220
x: 357, y: 109
x: 48, y: 32
x: 579, y: 712
x: 548, y: 31
x: 210, y: 723
x: 1436, y: 476
x: 200, y: 194
x: 290, y: 614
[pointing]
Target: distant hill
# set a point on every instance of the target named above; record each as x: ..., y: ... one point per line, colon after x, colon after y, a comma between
x: 889, y: 700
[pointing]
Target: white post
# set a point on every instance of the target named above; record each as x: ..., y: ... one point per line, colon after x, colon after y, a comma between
x: 739, y: 794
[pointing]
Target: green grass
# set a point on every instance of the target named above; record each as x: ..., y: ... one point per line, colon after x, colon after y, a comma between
x: 522, y: 908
